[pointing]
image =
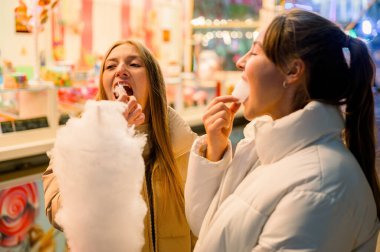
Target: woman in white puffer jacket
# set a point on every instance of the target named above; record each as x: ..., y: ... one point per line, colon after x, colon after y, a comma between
x: 303, y: 178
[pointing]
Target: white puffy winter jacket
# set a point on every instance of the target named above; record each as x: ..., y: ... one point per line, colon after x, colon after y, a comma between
x: 292, y: 185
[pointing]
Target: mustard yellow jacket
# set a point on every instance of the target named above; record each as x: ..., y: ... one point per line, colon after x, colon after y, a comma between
x: 170, y: 231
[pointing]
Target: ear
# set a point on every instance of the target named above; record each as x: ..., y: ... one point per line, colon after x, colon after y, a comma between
x: 296, y: 72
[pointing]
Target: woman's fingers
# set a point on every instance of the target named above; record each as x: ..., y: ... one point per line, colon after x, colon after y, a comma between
x: 219, y: 120
x: 136, y: 112
x: 131, y: 104
x: 219, y: 110
x: 223, y: 99
x: 133, y: 113
x: 234, y: 107
x: 124, y: 98
x: 219, y: 103
x: 140, y: 119
x: 214, y: 110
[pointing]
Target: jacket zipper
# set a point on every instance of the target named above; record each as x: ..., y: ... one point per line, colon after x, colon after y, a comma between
x: 148, y: 177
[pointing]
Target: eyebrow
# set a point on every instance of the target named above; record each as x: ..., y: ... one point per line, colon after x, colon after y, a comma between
x: 129, y: 58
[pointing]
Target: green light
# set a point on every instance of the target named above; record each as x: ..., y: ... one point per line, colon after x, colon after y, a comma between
x: 352, y: 33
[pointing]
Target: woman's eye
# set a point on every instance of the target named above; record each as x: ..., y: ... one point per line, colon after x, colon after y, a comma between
x: 110, y: 67
x: 135, y: 65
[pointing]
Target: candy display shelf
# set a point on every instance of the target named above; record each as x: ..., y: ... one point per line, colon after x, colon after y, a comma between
x: 28, y: 132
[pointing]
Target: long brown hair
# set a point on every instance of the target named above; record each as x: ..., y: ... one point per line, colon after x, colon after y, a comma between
x: 331, y: 78
x: 162, y: 150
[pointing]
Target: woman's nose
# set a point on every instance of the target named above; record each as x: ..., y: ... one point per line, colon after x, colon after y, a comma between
x: 121, y: 70
x: 240, y: 64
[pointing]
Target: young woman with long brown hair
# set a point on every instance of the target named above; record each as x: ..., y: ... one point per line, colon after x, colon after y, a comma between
x: 131, y: 65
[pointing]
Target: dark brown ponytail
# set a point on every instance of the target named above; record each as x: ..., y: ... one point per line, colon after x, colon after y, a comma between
x: 360, y: 115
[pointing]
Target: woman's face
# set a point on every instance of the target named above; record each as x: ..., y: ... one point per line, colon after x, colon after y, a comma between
x: 265, y: 81
x: 125, y: 66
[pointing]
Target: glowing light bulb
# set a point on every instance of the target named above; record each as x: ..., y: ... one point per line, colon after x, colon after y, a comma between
x: 367, y: 27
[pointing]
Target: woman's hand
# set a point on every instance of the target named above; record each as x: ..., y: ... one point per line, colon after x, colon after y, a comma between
x: 133, y: 113
x: 218, y: 122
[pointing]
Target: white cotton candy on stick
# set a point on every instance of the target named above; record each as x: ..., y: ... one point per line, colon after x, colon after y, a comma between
x: 241, y: 91
x: 98, y: 162
x: 122, y: 88
x: 119, y: 91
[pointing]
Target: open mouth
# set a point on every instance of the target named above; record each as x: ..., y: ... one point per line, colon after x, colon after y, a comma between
x: 122, y: 88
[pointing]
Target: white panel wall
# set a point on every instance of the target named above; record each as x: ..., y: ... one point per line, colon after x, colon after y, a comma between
x: 19, y: 47
x: 71, y: 14
x: 170, y: 18
x: 106, y: 21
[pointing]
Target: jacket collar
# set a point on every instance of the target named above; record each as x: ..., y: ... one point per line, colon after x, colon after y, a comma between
x: 276, y: 139
x: 180, y: 133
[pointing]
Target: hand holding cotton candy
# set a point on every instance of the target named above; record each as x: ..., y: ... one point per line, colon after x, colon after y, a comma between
x: 98, y: 162
x: 241, y: 91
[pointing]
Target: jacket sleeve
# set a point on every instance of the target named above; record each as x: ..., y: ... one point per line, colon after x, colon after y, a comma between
x: 203, y: 181
x: 306, y: 221
x: 51, y: 194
